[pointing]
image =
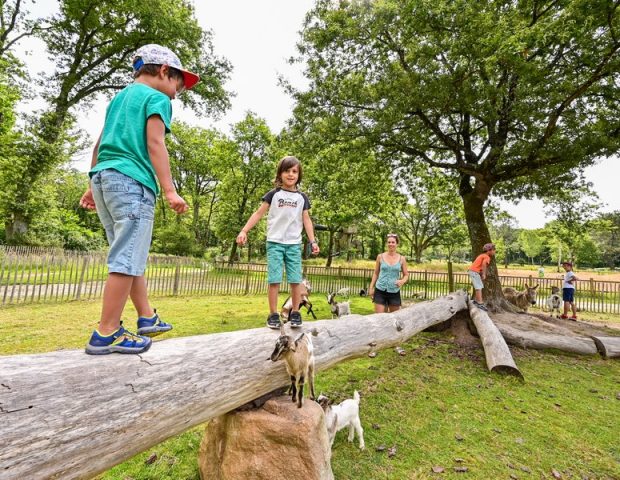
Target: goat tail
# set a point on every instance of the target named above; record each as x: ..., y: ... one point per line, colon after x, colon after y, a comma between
x: 356, y: 397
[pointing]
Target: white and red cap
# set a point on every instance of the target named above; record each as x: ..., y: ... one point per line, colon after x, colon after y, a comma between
x: 158, y: 55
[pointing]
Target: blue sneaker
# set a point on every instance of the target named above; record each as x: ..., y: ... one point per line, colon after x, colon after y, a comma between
x: 120, y: 341
x: 153, y: 326
x: 273, y: 321
x: 295, y: 319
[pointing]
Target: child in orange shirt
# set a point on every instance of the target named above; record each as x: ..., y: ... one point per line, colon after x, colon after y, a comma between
x: 478, y: 273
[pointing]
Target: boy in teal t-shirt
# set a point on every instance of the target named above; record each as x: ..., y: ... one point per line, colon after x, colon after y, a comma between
x: 128, y: 159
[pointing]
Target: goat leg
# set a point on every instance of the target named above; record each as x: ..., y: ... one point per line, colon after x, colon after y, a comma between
x: 311, y: 382
x: 293, y: 388
x: 300, y: 392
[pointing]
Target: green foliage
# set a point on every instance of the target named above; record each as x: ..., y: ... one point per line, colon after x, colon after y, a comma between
x: 532, y: 243
x: 176, y: 238
x: 513, y: 99
x: 248, y: 165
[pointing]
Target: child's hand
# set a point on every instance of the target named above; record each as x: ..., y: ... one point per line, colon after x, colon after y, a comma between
x: 176, y: 202
x: 315, y: 248
x: 87, y: 201
x: 242, y: 238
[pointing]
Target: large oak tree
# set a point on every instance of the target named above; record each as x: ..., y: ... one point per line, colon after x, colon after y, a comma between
x: 513, y: 98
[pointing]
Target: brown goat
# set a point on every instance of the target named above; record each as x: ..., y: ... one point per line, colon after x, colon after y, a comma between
x: 299, y: 358
x: 521, y: 299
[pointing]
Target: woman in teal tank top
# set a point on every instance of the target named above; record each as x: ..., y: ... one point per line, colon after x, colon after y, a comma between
x: 386, y: 279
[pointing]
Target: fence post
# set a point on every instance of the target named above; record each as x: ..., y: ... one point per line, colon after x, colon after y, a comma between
x: 81, y: 282
x: 425, y: 284
x: 177, y: 276
x: 450, y: 278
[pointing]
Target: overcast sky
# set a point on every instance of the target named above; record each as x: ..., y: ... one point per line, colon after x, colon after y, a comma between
x: 258, y: 37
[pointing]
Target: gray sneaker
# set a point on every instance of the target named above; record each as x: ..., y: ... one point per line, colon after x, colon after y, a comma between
x: 481, y: 306
x: 295, y: 319
x: 273, y: 321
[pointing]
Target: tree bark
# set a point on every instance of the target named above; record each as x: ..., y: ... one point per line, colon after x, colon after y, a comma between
x: 69, y: 415
x: 473, y: 204
x: 608, y: 347
x: 498, y: 356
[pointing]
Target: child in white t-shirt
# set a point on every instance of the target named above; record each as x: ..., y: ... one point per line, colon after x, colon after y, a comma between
x: 288, y: 215
x: 568, y: 290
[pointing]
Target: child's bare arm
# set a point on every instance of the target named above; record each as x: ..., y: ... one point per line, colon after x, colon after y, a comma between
x: 87, y: 200
x: 155, y: 134
x: 253, y: 220
x: 310, y: 232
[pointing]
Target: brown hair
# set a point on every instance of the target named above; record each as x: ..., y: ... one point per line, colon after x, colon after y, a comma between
x: 153, y: 69
x: 283, y: 165
x: 393, y: 235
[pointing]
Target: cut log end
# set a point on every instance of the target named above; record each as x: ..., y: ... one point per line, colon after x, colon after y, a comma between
x: 608, y: 347
x: 508, y: 370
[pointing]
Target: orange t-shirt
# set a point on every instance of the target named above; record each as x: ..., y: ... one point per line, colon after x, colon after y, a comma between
x: 481, y: 261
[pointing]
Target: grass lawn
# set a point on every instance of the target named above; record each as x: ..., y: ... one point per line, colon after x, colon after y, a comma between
x: 437, y: 405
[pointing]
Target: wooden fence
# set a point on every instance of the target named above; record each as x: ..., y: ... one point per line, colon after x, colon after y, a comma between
x: 40, y: 275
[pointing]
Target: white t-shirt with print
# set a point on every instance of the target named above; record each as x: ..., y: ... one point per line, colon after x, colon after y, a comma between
x: 567, y: 277
x: 285, y: 219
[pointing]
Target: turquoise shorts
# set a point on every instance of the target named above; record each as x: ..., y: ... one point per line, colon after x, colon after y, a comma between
x: 279, y: 254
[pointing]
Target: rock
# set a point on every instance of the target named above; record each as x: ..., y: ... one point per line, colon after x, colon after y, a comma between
x: 380, y: 448
x: 461, y: 469
x: 151, y: 459
x: 555, y: 474
x: 438, y: 469
x: 372, y: 354
x: 277, y: 440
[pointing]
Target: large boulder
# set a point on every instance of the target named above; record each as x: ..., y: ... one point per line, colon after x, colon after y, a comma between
x: 277, y: 440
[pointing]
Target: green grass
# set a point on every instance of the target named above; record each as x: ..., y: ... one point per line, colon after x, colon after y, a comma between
x: 438, y: 404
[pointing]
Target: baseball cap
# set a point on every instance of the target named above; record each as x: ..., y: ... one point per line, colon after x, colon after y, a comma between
x: 488, y: 246
x: 570, y: 264
x: 158, y: 55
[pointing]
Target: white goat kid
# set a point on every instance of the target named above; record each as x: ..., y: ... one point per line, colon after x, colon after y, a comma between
x: 338, y: 309
x: 554, y: 302
x: 521, y: 299
x: 346, y: 414
x: 298, y: 355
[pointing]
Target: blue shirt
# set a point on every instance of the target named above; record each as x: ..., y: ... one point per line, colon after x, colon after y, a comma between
x: 388, y: 276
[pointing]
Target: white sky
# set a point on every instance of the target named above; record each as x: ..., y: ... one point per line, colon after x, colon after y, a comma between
x: 257, y: 37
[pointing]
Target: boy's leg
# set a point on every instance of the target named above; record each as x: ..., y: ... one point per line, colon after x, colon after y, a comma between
x: 294, y: 276
x: 272, y: 296
x: 139, y: 297
x: 115, y: 295
x: 149, y: 323
x: 478, y: 295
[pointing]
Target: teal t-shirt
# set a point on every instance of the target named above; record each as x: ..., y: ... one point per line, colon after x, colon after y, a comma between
x: 123, y: 142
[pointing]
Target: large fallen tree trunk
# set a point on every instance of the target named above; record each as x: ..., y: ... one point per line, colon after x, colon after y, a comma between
x: 68, y: 415
x: 498, y: 356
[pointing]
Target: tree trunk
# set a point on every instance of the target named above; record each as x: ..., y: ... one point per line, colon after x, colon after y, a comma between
x: 473, y: 204
x: 15, y: 227
x: 330, y: 248
x: 233, y: 253
x: 69, y: 415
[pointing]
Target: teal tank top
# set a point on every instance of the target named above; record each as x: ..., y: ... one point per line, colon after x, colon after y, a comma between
x: 388, y: 275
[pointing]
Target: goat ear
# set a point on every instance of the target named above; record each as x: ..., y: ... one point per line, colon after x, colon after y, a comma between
x: 535, y: 287
x: 527, y: 286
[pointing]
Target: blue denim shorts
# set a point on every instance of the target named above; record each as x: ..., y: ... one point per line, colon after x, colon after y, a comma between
x: 126, y: 209
x: 476, y: 280
x: 279, y: 254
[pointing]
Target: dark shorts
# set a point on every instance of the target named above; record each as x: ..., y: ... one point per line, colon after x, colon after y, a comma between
x: 568, y: 294
x: 382, y: 297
